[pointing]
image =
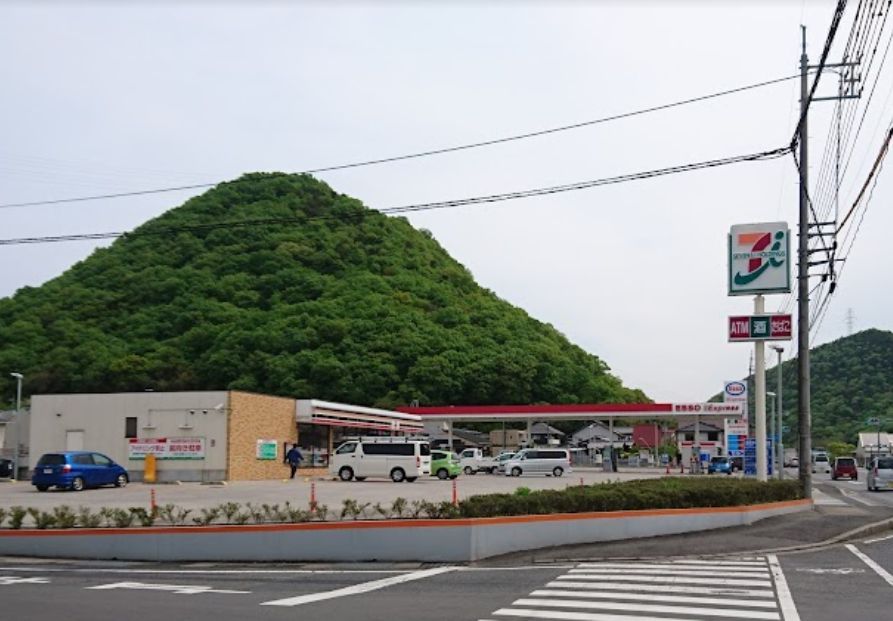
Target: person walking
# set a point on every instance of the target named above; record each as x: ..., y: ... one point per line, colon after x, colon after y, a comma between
x: 293, y: 458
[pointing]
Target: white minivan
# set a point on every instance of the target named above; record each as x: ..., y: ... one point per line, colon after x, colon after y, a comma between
x: 395, y: 457
x: 548, y: 461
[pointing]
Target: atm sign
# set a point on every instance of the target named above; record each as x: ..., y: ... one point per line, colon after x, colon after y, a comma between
x: 760, y: 328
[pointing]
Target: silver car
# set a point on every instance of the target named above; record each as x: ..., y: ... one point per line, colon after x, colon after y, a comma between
x: 880, y: 474
x: 547, y: 461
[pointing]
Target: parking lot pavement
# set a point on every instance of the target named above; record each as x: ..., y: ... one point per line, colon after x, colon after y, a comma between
x: 329, y: 492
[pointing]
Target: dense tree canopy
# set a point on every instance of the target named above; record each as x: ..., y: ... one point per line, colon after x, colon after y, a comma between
x: 852, y: 381
x: 332, y: 301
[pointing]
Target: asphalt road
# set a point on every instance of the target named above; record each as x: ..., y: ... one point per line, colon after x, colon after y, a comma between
x: 853, y: 581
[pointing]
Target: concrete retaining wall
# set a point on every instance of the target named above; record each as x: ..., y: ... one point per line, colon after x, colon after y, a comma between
x: 381, y: 540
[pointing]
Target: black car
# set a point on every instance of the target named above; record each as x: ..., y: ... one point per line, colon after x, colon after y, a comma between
x: 5, y: 468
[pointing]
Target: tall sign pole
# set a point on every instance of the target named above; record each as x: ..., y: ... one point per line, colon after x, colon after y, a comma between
x: 803, y: 388
x: 760, y: 395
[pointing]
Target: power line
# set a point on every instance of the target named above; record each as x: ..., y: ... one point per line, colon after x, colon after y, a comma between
x: 477, y: 200
x: 420, y: 154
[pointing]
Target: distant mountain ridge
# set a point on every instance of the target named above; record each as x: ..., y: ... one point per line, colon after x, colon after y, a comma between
x: 333, y: 301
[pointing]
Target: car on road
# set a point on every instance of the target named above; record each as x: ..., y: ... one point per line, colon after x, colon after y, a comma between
x: 820, y: 463
x: 396, y: 457
x: 473, y: 461
x: 880, y: 474
x: 445, y: 465
x: 550, y: 462
x: 719, y: 465
x: 845, y: 467
x: 77, y: 470
x: 501, y: 461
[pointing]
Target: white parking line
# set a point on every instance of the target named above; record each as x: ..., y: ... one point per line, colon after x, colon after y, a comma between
x: 707, y: 611
x: 670, y: 580
x: 574, y: 616
x: 355, y: 589
x: 646, y: 597
x: 670, y: 572
x: 853, y: 496
x: 883, y: 573
x: 877, y: 539
x: 785, y: 600
x: 659, y: 588
x: 673, y: 567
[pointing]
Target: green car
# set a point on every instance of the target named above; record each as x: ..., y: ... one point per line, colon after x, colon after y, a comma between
x: 444, y: 465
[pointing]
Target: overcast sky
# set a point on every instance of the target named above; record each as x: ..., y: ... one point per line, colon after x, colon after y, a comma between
x: 99, y: 97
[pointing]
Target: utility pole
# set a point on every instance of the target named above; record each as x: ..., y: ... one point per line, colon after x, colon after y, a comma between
x: 804, y: 423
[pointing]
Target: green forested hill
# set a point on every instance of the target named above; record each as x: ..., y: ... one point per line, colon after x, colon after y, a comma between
x: 852, y: 381
x: 335, y: 301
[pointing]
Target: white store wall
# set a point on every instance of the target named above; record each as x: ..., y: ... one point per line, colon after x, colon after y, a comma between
x: 57, y: 420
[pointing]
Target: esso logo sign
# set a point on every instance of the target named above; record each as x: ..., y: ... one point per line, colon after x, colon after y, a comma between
x: 735, y: 389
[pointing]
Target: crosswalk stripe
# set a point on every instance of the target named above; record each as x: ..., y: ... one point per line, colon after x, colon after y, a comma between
x: 744, y: 562
x: 653, y: 608
x: 670, y: 579
x: 669, y: 572
x: 646, y: 597
x: 686, y: 567
x: 578, y: 616
x: 660, y: 588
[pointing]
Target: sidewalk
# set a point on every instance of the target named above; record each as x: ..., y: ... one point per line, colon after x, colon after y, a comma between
x: 824, y: 522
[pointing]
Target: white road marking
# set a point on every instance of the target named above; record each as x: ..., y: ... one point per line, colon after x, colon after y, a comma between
x: 876, y: 539
x: 883, y: 573
x: 858, y: 498
x: 576, y: 616
x: 364, y: 587
x: 788, y: 608
x: 821, y: 498
x: 842, y: 571
x: 652, y: 608
x: 747, y: 561
x: 654, y: 568
x: 660, y: 588
x: 669, y: 572
x: 671, y: 580
x: 645, y: 597
x: 8, y: 580
x: 173, y: 588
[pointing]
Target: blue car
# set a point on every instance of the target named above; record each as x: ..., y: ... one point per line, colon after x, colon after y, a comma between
x: 719, y: 465
x: 77, y: 470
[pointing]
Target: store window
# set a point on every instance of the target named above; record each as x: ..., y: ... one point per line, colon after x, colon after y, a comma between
x: 313, y: 441
x: 130, y: 427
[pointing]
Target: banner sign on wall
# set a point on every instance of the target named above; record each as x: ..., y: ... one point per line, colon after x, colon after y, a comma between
x: 166, y: 448
x: 759, y: 258
x: 267, y: 449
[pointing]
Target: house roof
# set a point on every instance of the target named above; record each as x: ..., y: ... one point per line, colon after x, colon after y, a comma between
x: 541, y: 428
x: 870, y: 439
x: 703, y: 427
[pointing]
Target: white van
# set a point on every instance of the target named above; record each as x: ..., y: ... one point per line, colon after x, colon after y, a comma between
x: 396, y: 457
x: 548, y: 461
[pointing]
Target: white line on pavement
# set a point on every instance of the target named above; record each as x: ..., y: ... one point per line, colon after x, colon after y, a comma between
x: 181, y: 589
x: 660, y: 588
x: 671, y: 580
x: 762, y: 568
x: 883, y: 573
x: 750, y: 561
x: 364, y: 587
x: 652, y: 608
x: 646, y: 597
x: 668, y: 572
x: 576, y: 616
x: 788, y: 608
x: 877, y: 539
x: 858, y: 498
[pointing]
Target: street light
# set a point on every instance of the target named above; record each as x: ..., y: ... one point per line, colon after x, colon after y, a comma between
x: 15, y: 450
x: 779, y: 414
x: 772, y: 435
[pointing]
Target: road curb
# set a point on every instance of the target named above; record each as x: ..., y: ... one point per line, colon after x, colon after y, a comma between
x: 856, y: 533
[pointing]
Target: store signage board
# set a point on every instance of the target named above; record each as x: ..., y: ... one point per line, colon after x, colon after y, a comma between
x: 267, y: 449
x: 743, y: 328
x: 759, y: 258
x: 166, y: 448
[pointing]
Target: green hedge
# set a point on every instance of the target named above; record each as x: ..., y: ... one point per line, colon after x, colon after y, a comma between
x: 664, y: 493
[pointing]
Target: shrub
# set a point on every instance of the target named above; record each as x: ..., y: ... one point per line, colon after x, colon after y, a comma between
x: 229, y: 510
x: 121, y: 518
x: 258, y: 515
x: 664, y: 493
x: 320, y: 512
x: 145, y: 518
x: 42, y: 519
x: 17, y: 516
x: 207, y: 516
x: 88, y: 519
x: 65, y: 517
x: 398, y: 507
x: 522, y: 491
x: 3, y: 514
x: 174, y: 515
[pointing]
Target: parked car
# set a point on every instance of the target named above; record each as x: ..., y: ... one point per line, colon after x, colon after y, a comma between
x: 550, y: 462
x: 880, y: 474
x: 473, y: 461
x: 396, y: 457
x: 445, y: 465
x: 820, y: 463
x: 5, y: 468
x: 501, y: 461
x: 845, y: 467
x: 77, y: 470
x: 719, y: 465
